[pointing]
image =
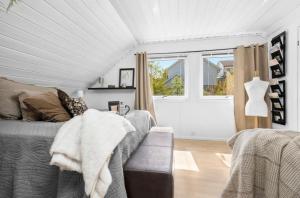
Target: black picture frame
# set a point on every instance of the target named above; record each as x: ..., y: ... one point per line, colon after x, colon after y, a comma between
x: 129, y: 83
x: 113, y: 103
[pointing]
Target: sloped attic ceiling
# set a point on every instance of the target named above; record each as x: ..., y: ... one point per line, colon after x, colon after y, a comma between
x: 69, y: 43
x: 64, y: 43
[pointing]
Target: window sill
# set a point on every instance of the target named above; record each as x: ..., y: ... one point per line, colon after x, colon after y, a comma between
x: 170, y: 98
x: 179, y: 99
x: 216, y: 97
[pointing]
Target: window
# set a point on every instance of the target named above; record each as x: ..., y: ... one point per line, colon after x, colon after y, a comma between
x: 167, y: 77
x: 218, y: 75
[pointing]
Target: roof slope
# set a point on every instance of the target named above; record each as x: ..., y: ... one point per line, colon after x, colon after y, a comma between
x: 61, y: 43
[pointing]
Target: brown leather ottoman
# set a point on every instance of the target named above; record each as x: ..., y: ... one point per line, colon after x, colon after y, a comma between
x: 148, y: 173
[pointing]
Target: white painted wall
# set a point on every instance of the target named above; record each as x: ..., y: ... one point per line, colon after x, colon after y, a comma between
x: 290, y: 24
x: 193, y: 117
x: 99, y: 99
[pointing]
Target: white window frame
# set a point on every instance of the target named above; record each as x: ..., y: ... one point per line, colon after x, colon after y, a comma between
x: 174, y: 98
x: 298, y: 81
x: 210, y: 97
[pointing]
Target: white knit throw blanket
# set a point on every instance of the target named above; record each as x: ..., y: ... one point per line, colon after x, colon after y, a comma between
x: 85, y: 143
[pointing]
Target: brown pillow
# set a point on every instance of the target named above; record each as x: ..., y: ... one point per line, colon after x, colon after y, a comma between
x: 27, y: 113
x: 9, y: 97
x: 75, y: 106
x: 49, y: 106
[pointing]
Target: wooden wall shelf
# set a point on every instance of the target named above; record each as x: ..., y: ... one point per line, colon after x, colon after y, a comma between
x: 111, y: 88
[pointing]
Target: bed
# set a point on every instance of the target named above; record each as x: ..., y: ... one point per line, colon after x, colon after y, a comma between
x: 24, y: 160
x: 265, y: 164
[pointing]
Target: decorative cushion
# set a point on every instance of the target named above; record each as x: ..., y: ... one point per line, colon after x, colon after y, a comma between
x: 49, y: 106
x: 75, y: 106
x: 9, y: 97
x: 65, y: 100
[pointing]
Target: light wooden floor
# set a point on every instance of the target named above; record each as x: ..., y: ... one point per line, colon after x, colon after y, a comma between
x: 211, y: 178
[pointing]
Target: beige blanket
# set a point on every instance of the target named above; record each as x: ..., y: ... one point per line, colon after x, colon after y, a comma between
x: 265, y: 164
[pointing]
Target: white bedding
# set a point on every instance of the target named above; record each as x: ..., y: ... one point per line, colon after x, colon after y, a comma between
x: 85, y: 143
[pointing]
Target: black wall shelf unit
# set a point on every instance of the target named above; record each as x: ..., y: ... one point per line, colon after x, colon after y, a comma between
x: 278, y: 71
x: 278, y: 55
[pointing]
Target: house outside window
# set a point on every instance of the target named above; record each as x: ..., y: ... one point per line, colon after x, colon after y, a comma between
x: 218, y: 75
x: 167, y: 77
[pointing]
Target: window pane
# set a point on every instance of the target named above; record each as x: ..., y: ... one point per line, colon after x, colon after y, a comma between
x: 167, y: 77
x: 218, y: 75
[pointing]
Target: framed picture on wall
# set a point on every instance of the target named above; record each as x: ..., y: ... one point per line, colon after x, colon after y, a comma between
x: 113, y: 106
x: 126, y: 77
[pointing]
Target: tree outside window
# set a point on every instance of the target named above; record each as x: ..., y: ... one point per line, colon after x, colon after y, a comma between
x: 167, y: 77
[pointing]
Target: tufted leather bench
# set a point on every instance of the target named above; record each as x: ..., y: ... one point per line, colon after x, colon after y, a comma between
x: 148, y: 172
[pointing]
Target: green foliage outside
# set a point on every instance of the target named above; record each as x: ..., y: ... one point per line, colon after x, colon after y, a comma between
x: 160, y: 86
x: 223, y: 87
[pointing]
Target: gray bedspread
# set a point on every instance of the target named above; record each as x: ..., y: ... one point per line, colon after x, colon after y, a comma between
x: 24, y: 160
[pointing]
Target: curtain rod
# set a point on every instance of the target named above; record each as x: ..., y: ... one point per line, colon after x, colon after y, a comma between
x: 194, y: 51
x: 184, y: 52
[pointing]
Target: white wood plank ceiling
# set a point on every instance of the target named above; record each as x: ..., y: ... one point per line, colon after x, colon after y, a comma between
x: 161, y: 20
x: 61, y: 42
x: 71, y: 42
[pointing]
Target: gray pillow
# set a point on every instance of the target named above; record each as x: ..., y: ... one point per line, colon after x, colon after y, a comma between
x: 9, y: 97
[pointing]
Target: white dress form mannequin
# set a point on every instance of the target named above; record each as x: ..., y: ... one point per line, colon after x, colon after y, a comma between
x: 256, y: 105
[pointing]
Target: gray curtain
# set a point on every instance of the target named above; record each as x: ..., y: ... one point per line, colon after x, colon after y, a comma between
x: 247, y: 59
x: 143, y: 94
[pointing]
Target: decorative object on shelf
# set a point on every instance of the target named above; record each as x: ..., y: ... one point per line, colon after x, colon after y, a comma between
x: 123, y: 109
x: 99, y: 83
x: 277, y: 51
x: 126, y: 77
x: 111, y: 86
x: 118, y: 107
x: 277, y: 65
x: 113, y: 106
